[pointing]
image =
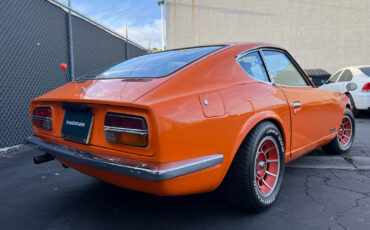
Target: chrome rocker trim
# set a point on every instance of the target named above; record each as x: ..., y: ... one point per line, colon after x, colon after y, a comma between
x: 139, y: 169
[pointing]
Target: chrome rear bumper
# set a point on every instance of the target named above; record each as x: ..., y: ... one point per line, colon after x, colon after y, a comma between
x: 140, y: 169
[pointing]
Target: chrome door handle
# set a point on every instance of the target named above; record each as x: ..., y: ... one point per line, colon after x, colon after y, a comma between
x: 296, y: 104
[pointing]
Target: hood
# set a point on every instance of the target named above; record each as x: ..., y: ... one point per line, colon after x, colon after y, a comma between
x: 107, y: 90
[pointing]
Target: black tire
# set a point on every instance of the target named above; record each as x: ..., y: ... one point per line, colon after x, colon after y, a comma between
x: 241, y: 184
x: 354, y: 109
x: 336, y: 146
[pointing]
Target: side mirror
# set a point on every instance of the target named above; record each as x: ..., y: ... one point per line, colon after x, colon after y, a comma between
x: 351, y: 86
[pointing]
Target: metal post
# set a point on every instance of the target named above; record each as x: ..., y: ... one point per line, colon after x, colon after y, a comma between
x: 161, y: 3
x: 126, y: 36
x: 70, y: 42
x: 162, y: 27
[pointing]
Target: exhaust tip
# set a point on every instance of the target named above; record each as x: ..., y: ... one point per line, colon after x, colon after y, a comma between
x: 43, y: 158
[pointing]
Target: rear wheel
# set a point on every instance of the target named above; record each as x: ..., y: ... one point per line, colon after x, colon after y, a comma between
x: 254, y: 179
x: 344, y: 139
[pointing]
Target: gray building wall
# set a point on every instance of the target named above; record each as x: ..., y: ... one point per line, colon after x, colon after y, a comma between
x: 328, y: 34
x: 33, y: 44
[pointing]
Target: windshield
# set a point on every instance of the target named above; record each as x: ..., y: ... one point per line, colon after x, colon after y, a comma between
x: 366, y: 71
x: 154, y: 65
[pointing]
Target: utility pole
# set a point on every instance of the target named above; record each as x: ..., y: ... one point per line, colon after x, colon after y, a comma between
x: 70, y: 42
x: 161, y: 4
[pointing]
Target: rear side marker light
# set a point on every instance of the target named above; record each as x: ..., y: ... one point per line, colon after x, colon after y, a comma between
x: 366, y: 87
x: 42, y: 117
x: 126, y: 129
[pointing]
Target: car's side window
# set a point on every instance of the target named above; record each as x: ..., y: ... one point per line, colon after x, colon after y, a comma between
x: 253, y: 66
x: 346, y: 76
x: 334, y: 77
x: 282, y: 70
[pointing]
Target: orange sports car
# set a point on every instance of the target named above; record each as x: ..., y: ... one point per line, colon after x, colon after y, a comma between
x: 191, y: 120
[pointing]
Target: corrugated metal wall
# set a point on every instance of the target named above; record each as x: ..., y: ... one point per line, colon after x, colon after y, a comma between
x: 33, y: 43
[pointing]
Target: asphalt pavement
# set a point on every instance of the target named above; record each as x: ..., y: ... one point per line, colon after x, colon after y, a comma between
x: 320, y: 191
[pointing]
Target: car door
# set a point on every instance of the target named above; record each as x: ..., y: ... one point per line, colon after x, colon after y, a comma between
x: 346, y: 77
x: 310, y: 108
x: 332, y: 81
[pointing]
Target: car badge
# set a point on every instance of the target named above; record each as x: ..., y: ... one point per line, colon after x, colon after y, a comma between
x: 83, y: 89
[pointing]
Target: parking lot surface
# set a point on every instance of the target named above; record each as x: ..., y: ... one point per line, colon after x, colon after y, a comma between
x: 320, y: 191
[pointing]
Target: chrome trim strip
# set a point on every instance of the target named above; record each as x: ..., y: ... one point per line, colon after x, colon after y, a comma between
x: 126, y: 130
x: 41, y: 118
x: 264, y: 65
x: 139, y: 169
x: 249, y: 51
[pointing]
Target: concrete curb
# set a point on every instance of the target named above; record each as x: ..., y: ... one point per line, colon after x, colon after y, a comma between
x: 8, y: 151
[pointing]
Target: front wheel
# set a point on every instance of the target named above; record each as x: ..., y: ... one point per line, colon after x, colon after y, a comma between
x: 346, y: 134
x: 255, y: 177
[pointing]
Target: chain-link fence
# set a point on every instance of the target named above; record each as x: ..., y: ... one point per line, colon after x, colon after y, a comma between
x: 34, y: 41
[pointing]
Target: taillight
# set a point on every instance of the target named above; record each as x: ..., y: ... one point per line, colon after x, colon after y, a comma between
x: 42, y: 118
x: 366, y: 87
x: 126, y: 129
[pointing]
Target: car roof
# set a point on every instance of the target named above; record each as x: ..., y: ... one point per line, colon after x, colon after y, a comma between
x: 250, y: 45
x: 355, y: 67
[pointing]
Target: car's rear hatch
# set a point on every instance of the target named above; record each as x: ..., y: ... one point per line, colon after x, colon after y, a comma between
x: 106, y: 91
x: 99, y: 97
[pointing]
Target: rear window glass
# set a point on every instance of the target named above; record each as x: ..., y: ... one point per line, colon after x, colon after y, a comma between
x: 366, y: 71
x: 154, y: 65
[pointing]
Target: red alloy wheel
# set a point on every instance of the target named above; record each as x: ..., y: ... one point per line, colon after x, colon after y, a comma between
x: 345, y: 131
x: 267, y: 164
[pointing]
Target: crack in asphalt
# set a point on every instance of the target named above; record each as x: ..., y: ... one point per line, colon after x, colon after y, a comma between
x: 312, y: 198
x: 349, y: 160
x: 361, y: 172
x: 337, y: 215
x: 357, y: 205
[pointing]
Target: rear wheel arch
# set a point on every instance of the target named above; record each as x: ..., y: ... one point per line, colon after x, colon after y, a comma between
x: 249, y: 125
x: 279, y: 126
x: 252, y: 123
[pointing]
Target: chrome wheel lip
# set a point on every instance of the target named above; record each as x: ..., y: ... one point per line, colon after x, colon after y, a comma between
x: 341, y: 129
x: 278, y: 166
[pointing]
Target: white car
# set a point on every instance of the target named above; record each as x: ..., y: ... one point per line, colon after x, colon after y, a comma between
x: 360, y: 75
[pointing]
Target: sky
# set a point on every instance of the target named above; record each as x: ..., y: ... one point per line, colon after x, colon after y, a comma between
x: 142, y: 17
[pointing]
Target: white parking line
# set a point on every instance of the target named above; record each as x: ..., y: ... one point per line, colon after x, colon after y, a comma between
x: 361, y: 162
x: 324, y: 162
x: 331, y: 162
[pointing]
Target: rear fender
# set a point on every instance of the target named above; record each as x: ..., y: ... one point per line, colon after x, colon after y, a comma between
x: 252, y: 122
